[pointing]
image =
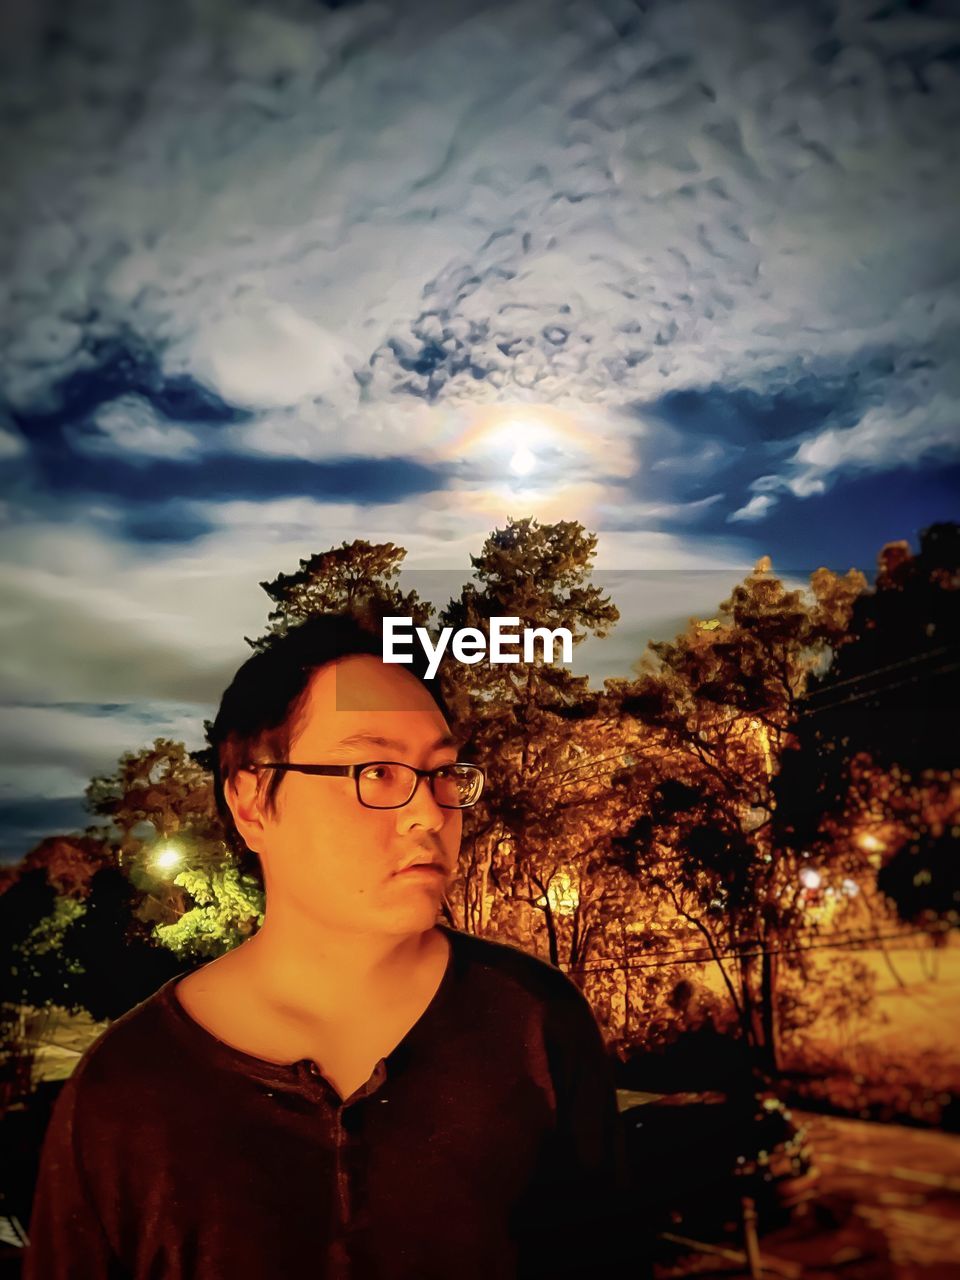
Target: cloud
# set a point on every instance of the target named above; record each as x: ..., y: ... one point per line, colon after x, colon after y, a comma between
x: 130, y: 427
x: 223, y: 475
x: 84, y: 739
x: 271, y: 355
x: 879, y: 440
x: 919, y: 424
x: 317, y: 217
x: 755, y: 509
x: 11, y: 444
x: 26, y: 820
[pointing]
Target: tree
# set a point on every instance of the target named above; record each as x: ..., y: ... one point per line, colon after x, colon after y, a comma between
x: 875, y: 780
x: 228, y: 908
x: 725, y: 696
x: 359, y: 578
x: 107, y: 954
x: 69, y: 861
x: 894, y: 683
x: 24, y: 908
x: 184, y: 882
x: 33, y: 920
x: 153, y: 794
x: 523, y: 723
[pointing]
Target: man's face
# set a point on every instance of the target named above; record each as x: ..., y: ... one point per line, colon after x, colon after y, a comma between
x: 325, y: 856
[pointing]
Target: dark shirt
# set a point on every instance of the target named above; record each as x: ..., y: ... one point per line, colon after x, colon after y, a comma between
x: 486, y: 1144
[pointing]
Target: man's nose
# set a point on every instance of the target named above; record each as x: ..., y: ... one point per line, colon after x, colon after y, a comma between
x: 422, y: 809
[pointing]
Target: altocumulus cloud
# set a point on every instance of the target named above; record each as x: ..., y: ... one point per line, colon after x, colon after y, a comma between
x: 320, y: 213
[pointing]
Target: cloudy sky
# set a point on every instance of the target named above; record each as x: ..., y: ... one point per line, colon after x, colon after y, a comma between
x: 282, y: 275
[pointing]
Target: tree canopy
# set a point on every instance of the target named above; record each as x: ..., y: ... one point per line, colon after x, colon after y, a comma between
x: 711, y: 805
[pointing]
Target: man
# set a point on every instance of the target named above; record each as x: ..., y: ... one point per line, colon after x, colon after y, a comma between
x: 358, y: 1090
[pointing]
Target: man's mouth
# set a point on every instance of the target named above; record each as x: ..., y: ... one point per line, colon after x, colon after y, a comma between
x: 425, y: 865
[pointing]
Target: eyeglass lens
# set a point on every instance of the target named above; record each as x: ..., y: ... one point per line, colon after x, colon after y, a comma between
x: 384, y: 786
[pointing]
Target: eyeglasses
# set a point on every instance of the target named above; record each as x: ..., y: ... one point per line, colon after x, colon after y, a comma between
x: 385, y: 784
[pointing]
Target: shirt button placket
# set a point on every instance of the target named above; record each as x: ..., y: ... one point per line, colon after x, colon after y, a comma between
x: 341, y: 1173
x: 342, y: 1138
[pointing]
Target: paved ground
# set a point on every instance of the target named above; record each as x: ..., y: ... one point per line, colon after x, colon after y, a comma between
x: 887, y: 1207
x: 63, y: 1038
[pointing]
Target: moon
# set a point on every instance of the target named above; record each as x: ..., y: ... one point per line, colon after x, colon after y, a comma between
x: 523, y: 461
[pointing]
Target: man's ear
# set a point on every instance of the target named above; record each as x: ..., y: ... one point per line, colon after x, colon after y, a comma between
x: 242, y: 795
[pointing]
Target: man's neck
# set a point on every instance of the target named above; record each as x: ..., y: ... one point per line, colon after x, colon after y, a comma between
x: 329, y: 975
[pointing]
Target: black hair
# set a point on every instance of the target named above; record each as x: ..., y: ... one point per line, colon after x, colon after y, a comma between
x: 260, y: 710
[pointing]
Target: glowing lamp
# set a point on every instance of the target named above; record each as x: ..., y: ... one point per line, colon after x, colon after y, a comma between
x: 167, y: 858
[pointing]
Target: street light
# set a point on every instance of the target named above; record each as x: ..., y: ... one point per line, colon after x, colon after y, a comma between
x: 869, y: 842
x: 810, y: 878
x: 562, y: 894
x: 166, y: 858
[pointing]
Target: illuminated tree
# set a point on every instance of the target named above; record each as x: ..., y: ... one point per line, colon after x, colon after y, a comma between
x: 227, y: 908
x: 159, y: 792
x: 171, y: 847
x: 726, y: 696
x: 526, y: 723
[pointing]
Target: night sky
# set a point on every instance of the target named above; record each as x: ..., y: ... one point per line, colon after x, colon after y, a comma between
x: 277, y: 276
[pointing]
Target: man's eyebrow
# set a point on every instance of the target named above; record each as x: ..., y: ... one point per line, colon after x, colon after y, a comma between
x: 374, y: 740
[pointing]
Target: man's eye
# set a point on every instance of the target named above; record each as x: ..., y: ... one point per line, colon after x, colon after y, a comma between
x: 381, y: 773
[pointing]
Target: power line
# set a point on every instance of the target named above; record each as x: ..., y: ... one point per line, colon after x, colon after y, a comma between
x: 880, y: 689
x: 879, y: 671
x: 574, y: 772
x: 706, y: 956
x: 842, y: 937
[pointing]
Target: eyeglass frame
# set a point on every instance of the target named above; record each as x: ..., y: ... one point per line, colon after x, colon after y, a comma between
x: 354, y: 770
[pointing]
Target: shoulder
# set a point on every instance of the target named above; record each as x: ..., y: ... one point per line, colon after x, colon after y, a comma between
x: 512, y: 995
x: 137, y: 1045
x: 495, y: 963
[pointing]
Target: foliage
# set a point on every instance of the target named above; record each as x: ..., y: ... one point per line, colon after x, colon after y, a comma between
x: 812, y: 993
x: 162, y: 798
x: 357, y: 578
x: 153, y: 794
x: 228, y: 907
x: 537, y: 836
x: 26, y: 910
x: 875, y: 780
x: 107, y: 953
x: 70, y: 862
x: 724, y: 700
x: 893, y: 687
x: 33, y: 971
x: 923, y: 879
x: 33, y: 974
